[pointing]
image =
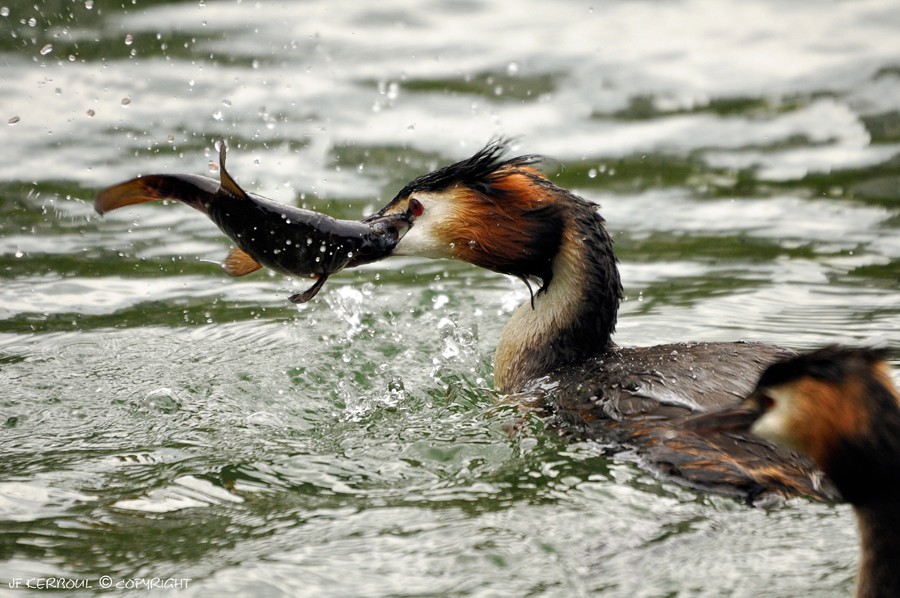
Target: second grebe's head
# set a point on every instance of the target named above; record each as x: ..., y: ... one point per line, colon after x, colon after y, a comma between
x: 499, y: 214
x: 837, y: 405
x: 822, y: 400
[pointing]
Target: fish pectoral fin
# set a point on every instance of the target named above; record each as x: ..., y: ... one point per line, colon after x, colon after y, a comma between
x: 310, y: 292
x: 239, y: 263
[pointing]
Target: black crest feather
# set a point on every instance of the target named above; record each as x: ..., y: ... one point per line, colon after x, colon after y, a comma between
x: 830, y: 364
x: 476, y: 172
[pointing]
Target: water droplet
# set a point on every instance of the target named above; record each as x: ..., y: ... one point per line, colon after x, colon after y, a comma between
x: 309, y: 241
x: 89, y: 4
x: 512, y: 68
x: 126, y: 100
x: 32, y: 22
x: 170, y: 138
x: 592, y: 173
x: 440, y: 301
x: 226, y: 102
x: 46, y: 49
x: 163, y: 400
x: 91, y: 112
x: 217, y: 115
x: 393, y: 90
x: 322, y: 248
x: 129, y: 39
x: 263, y: 419
x: 254, y: 64
x: 13, y: 120
x: 19, y: 253
x: 4, y: 11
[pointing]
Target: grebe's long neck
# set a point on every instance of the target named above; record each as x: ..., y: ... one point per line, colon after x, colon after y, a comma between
x: 575, y: 315
x: 866, y: 470
x: 879, y: 531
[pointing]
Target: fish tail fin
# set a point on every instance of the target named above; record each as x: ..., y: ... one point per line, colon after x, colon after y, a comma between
x: 194, y: 190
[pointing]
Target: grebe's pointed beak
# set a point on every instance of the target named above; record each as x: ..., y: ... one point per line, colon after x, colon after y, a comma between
x: 386, y: 232
x: 739, y: 418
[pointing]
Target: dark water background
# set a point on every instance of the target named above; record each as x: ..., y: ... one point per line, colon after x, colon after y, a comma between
x: 158, y: 419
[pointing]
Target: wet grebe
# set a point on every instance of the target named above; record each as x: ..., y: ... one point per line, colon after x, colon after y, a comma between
x: 838, y: 406
x: 556, y: 350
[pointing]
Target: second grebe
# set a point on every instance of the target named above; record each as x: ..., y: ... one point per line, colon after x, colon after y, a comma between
x: 838, y: 406
x: 556, y: 351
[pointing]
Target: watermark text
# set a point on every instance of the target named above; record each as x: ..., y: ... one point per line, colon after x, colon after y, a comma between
x: 105, y: 582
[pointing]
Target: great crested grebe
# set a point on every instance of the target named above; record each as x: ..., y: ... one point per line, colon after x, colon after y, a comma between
x: 839, y: 406
x: 556, y: 351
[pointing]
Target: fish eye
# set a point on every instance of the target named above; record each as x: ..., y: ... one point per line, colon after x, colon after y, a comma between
x: 415, y: 207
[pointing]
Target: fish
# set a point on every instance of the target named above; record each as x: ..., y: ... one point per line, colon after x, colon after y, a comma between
x: 269, y: 234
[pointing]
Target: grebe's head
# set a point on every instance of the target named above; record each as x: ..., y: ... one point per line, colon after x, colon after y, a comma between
x: 496, y: 213
x: 837, y: 405
x: 821, y: 401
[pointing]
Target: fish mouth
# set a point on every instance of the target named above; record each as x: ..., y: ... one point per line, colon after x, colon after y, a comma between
x: 385, y: 232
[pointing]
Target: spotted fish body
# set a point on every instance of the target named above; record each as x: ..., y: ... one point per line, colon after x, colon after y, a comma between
x: 268, y: 234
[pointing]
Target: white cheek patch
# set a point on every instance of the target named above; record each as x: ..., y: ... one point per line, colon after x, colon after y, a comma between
x: 423, y: 240
x: 776, y: 424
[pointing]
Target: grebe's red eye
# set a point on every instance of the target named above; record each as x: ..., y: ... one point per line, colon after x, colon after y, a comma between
x: 766, y: 402
x: 415, y: 207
